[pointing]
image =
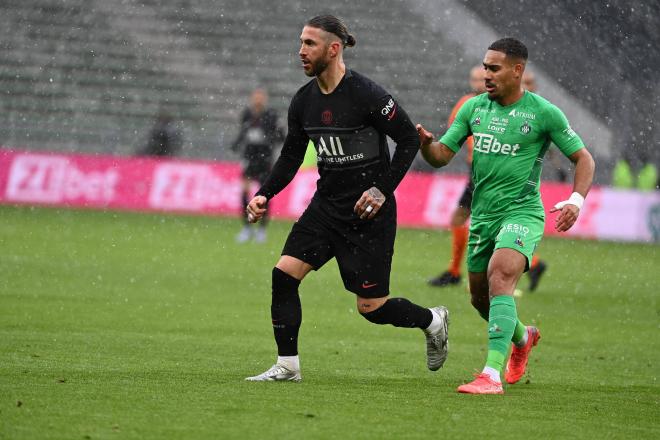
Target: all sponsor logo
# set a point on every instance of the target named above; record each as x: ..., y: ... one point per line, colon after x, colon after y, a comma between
x: 334, y: 144
x: 332, y: 152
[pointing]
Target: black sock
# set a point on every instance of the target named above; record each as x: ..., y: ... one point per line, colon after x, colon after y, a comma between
x: 400, y: 313
x: 286, y: 312
x: 243, y: 212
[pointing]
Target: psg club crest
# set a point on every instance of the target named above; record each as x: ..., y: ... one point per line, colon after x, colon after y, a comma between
x: 326, y: 117
x: 525, y: 128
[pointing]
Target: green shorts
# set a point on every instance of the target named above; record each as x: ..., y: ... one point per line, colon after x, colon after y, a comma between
x: 517, y: 230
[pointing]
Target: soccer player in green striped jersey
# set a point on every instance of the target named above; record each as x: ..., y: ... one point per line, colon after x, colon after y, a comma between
x: 512, y: 130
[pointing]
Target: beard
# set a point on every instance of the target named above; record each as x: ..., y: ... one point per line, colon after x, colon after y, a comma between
x: 319, y: 66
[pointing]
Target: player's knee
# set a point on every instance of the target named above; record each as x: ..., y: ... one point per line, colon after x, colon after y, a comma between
x: 501, y: 280
x: 371, y: 309
x: 284, y: 284
x: 376, y: 316
x: 285, y: 308
x: 293, y: 267
x: 366, y: 305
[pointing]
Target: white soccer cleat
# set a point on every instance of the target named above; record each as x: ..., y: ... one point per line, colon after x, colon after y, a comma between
x: 244, y: 235
x: 437, y: 342
x: 260, y: 235
x: 277, y: 373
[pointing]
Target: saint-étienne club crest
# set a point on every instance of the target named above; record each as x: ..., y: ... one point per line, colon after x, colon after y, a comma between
x: 525, y: 128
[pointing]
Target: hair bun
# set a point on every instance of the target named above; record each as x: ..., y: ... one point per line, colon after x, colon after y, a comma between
x: 350, y: 41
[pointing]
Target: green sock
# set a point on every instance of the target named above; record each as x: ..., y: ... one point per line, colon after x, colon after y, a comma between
x: 501, y: 324
x: 518, y: 332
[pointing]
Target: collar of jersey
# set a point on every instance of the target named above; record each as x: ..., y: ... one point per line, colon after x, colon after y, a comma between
x: 347, y: 74
x: 513, y: 103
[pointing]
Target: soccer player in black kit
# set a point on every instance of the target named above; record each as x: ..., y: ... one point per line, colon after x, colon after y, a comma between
x: 258, y: 134
x: 352, y: 216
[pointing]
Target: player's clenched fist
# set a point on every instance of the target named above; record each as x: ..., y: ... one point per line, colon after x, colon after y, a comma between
x: 370, y: 203
x: 256, y: 208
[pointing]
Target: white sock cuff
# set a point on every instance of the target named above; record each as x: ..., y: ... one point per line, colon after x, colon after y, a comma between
x: 291, y: 362
x: 435, y: 322
x: 492, y: 373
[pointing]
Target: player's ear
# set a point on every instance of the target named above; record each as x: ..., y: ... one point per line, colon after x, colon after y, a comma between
x: 334, y: 48
x: 519, y: 68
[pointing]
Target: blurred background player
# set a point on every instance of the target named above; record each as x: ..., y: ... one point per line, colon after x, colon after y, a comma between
x: 164, y: 137
x: 257, y: 137
x: 461, y: 215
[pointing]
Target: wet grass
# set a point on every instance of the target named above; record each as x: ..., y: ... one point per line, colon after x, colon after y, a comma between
x: 118, y: 325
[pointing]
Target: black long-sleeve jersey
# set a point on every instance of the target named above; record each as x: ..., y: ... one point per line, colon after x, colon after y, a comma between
x: 349, y: 128
x: 257, y: 136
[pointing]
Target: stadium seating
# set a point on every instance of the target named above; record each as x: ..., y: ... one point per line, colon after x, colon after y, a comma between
x: 90, y: 76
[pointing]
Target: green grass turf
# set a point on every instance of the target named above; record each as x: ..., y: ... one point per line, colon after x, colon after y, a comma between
x: 119, y: 325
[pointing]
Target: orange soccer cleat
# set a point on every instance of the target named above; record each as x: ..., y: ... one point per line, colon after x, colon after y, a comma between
x: 483, y: 384
x: 515, y: 368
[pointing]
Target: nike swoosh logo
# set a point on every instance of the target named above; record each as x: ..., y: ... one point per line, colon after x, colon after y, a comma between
x: 367, y: 286
x: 391, y: 115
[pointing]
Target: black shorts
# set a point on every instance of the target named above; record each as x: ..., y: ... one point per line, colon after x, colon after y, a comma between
x: 466, y: 198
x: 363, y: 250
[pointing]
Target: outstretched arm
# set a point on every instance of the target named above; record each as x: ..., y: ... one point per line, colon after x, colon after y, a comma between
x: 435, y: 153
x: 584, y: 175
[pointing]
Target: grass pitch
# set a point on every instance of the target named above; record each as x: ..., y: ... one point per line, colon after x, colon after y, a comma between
x: 133, y: 326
